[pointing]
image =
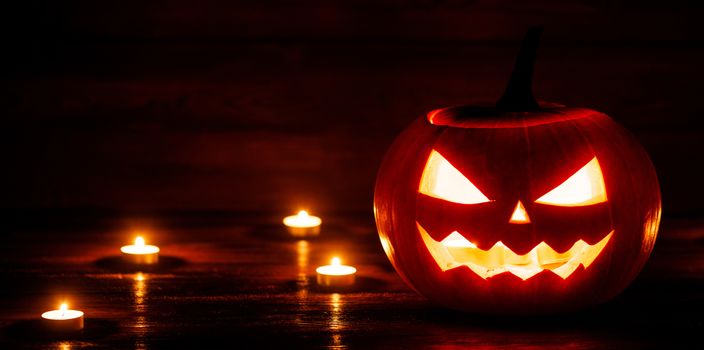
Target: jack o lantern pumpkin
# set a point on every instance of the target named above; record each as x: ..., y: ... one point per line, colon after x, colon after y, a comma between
x: 519, y: 207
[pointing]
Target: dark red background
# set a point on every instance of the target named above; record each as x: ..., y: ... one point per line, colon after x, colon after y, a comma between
x: 219, y: 106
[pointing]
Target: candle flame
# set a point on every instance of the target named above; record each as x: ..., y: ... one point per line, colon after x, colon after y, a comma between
x: 303, y: 214
x: 63, y: 308
x: 139, y: 241
x: 336, y: 261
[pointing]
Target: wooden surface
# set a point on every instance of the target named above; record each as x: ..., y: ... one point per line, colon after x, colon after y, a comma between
x: 243, y: 281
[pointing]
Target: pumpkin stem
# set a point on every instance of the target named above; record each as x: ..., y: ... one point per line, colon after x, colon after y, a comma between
x: 518, y: 96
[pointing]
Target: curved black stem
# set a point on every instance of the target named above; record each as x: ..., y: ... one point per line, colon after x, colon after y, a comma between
x: 518, y: 96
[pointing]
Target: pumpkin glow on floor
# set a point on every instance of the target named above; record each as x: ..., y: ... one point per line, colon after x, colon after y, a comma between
x: 522, y: 207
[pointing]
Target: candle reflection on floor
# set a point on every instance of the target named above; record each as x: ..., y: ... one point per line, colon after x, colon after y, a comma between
x: 302, y: 251
x: 140, y: 307
x: 336, y: 324
x: 140, y: 291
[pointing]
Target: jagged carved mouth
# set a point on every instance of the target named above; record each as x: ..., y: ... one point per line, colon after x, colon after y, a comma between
x: 455, y: 251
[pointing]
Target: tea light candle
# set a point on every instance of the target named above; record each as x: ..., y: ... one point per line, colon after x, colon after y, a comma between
x: 63, y: 319
x: 140, y: 253
x: 335, y: 274
x: 303, y: 224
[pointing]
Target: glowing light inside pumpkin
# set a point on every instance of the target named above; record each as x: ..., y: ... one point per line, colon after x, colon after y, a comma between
x: 455, y: 251
x: 442, y: 180
x: 519, y: 216
x: 585, y: 187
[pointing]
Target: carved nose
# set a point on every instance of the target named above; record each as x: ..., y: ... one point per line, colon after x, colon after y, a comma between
x: 520, y: 215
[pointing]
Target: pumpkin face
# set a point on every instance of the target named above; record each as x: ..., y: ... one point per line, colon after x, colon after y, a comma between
x: 496, y: 211
x: 503, y: 238
x: 537, y: 212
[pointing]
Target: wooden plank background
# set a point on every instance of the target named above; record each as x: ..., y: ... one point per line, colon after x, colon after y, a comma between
x: 252, y: 106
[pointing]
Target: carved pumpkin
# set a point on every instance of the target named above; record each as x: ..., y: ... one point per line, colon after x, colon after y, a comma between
x: 517, y: 208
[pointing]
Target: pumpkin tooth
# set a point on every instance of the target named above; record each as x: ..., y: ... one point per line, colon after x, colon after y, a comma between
x: 455, y: 239
x: 455, y: 251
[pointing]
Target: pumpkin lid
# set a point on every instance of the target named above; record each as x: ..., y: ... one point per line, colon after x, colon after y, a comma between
x: 491, y: 117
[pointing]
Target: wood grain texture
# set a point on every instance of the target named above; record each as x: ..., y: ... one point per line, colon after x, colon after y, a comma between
x: 247, y: 283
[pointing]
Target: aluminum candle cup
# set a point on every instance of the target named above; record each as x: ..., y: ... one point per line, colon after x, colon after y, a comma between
x: 303, y: 224
x: 140, y: 253
x: 335, y: 275
x: 63, y: 320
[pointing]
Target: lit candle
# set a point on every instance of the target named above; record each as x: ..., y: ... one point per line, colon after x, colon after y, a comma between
x: 303, y: 224
x: 140, y: 253
x: 335, y: 274
x: 63, y: 319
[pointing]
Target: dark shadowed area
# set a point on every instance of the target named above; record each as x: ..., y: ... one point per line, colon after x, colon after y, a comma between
x: 251, y: 106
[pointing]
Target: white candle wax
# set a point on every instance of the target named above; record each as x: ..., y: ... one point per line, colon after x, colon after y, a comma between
x: 303, y: 224
x: 140, y: 253
x: 63, y: 319
x: 335, y: 274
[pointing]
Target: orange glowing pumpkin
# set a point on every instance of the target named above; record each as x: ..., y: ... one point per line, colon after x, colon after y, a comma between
x: 517, y: 208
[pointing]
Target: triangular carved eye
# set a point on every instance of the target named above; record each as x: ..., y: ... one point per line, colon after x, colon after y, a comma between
x: 442, y: 180
x: 585, y: 187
